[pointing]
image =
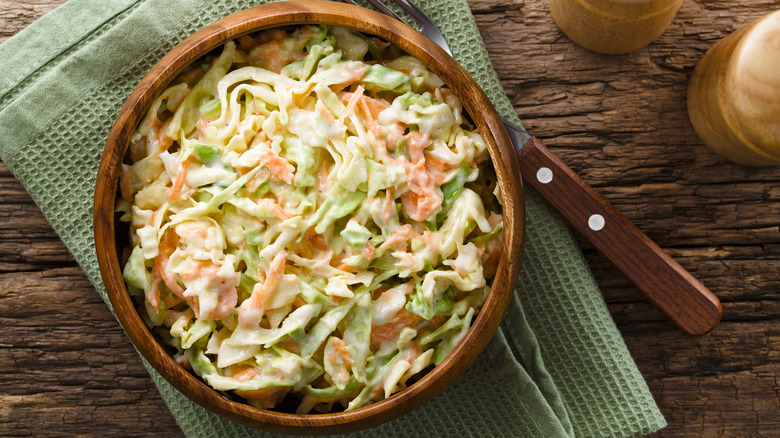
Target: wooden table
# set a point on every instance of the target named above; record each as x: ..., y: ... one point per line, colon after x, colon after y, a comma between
x: 619, y: 121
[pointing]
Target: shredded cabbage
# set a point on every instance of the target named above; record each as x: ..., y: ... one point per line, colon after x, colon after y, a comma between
x: 314, y: 217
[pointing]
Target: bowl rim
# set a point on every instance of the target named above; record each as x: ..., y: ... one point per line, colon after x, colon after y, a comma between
x: 484, y: 115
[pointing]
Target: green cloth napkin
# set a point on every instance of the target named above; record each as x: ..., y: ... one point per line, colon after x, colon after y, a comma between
x: 556, y: 367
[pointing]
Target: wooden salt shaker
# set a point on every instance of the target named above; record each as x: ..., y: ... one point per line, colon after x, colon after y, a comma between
x: 613, y: 26
x: 734, y: 94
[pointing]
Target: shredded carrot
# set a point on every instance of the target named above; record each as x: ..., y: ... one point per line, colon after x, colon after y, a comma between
x: 369, y: 118
x: 327, y: 115
x: 368, y: 251
x: 226, y: 290
x: 273, y: 35
x: 397, y: 237
x: 273, y: 55
x: 274, y: 207
x: 413, y: 352
x: 250, y: 312
x: 297, y: 99
x: 280, y: 168
x: 438, y: 320
x: 375, y: 106
x: 167, y: 245
x: 421, y: 200
x: 317, y: 241
x: 290, y: 345
x: 157, y: 133
x: 353, y: 101
x: 298, y: 301
x: 355, y: 74
x: 389, y: 209
x: 444, y: 92
x: 390, y: 330
x: 493, y: 250
x: 184, y: 361
x: 371, y: 108
x: 154, y: 289
x: 416, y: 142
x: 244, y: 373
x: 341, y: 349
x: 178, y: 184
x: 246, y: 42
x: 338, y: 262
x: 433, y: 162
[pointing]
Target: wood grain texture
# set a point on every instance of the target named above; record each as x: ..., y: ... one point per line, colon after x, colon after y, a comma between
x: 619, y: 121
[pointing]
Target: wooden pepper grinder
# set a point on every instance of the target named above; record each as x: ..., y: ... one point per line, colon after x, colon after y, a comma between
x: 734, y: 94
x: 613, y: 26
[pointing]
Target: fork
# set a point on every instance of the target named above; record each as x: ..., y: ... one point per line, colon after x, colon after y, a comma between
x: 672, y: 289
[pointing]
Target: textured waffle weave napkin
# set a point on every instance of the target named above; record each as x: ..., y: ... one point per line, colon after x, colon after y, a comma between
x: 556, y: 367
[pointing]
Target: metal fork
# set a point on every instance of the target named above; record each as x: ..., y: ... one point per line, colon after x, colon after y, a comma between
x: 688, y: 303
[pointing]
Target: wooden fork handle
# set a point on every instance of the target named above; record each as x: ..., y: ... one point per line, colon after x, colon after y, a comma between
x: 687, y: 302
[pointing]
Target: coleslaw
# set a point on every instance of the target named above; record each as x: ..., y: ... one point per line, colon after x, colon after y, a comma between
x: 313, y: 218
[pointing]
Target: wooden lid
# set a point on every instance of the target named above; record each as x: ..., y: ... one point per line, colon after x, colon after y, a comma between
x: 752, y: 86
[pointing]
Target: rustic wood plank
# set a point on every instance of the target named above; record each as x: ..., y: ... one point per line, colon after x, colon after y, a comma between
x: 619, y: 121
x: 66, y: 367
x: 724, y: 384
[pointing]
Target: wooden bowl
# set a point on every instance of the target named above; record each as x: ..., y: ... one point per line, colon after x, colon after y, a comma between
x: 476, y: 104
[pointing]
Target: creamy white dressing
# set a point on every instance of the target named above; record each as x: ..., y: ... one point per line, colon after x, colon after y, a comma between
x: 310, y: 229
